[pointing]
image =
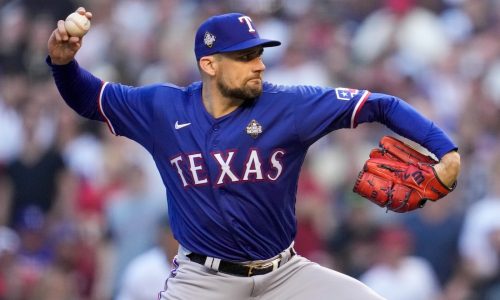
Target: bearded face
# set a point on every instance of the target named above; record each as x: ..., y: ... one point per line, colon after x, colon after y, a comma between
x: 248, y: 90
x: 240, y: 75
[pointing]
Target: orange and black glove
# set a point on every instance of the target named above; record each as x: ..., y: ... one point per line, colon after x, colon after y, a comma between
x: 399, y: 178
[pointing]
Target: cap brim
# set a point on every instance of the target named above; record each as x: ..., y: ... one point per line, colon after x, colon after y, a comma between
x: 250, y: 44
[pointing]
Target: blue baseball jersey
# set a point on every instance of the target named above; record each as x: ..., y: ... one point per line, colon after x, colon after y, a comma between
x: 231, y: 181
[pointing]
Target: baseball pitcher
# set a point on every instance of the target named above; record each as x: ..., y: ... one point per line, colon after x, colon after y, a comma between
x: 229, y: 150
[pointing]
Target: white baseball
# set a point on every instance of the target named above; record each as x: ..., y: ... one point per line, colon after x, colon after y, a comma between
x: 77, y: 24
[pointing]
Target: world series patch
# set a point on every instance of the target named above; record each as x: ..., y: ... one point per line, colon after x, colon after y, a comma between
x: 345, y: 93
x: 254, y: 129
x: 209, y: 39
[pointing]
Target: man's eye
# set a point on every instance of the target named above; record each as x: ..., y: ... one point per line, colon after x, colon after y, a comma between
x: 250, y: 56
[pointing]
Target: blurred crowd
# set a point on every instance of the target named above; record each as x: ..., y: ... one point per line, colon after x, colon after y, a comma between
x: 83, y: 213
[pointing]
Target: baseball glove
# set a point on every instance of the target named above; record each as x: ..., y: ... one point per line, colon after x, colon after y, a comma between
x: 399, y: 178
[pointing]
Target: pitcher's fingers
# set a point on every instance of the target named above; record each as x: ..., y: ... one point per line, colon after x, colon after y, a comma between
x: 57, y: 35
x: 73, y: 40
x: 62, y: 31
x: 81, y: 10
x: 75, y: 43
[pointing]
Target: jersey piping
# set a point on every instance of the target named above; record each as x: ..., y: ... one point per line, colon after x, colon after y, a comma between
x: 101, y: 110
x: 358, y: 107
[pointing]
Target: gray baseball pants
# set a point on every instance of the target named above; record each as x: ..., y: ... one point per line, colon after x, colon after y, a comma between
x: 297, y: 279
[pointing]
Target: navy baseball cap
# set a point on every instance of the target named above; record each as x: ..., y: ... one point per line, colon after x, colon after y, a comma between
x: 227, y: 33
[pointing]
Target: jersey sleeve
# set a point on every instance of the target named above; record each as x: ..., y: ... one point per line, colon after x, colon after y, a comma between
x: 404, y: 120
x: 128, y: 111
x: 319, y: 111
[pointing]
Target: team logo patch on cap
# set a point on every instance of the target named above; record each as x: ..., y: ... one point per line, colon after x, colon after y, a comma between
x: 209, y: 39
x: 254, y: 129
x: 345, y: 93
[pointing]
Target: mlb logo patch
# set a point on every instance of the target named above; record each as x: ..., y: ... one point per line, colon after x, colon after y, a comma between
x: 345, y: 93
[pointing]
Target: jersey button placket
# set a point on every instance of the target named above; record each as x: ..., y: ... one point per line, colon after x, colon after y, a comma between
x: 215, y: 141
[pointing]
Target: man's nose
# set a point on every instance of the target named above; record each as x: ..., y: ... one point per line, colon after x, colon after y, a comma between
x: 259, y: 65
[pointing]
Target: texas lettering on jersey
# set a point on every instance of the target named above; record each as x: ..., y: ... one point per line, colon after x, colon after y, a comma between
x: 192, y: 168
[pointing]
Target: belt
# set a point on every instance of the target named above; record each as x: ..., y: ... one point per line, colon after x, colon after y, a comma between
x: 244, y: 270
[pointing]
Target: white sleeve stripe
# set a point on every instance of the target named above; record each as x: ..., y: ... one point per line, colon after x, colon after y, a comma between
x: 358, y: 106
x: 101, y: 110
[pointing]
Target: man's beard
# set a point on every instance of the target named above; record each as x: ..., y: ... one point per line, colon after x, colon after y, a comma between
x: 245, y: 94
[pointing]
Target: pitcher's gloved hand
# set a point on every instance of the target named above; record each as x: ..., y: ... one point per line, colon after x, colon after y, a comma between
x: 399, y: 178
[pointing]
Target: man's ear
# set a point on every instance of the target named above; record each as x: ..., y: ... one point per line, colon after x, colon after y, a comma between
x: 208, y: 65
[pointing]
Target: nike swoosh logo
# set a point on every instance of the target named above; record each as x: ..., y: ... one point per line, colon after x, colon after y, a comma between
x: 179, y: 126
